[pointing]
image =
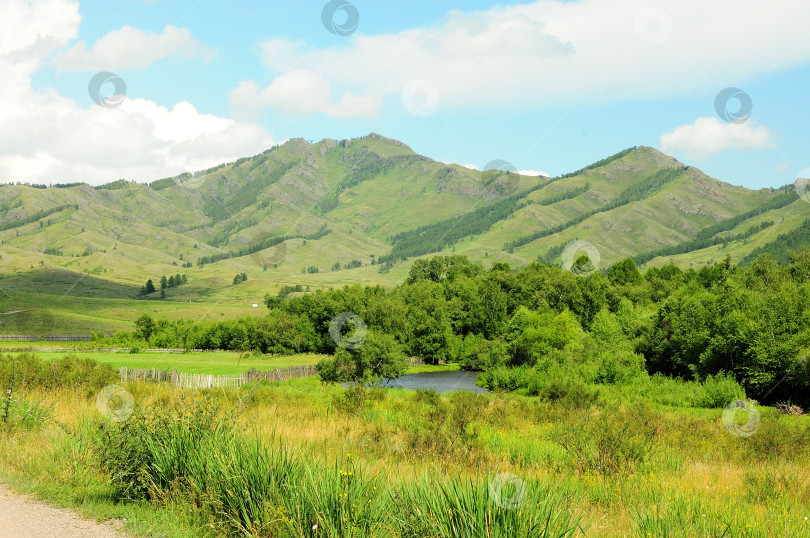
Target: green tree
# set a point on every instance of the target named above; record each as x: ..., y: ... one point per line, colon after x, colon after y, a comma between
x: 150, y: 287
x: 144, y: 326
x: 532, y: 336
x: 379, y: 357
x: 163, y: 282
x: 624, y: 272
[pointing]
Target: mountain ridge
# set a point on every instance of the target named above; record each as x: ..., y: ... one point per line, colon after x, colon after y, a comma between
x: 332, y: 202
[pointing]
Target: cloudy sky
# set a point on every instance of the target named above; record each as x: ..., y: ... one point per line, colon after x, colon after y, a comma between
x: 548, y: 86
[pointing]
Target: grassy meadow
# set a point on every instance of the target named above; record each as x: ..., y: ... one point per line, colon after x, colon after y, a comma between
x: 299, y: 458
x: 209, y: 362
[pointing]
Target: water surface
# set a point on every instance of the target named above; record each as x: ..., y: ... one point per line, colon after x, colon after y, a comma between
x: 438, y: 381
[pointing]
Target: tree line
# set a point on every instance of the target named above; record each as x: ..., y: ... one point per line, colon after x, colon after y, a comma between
x: 541, y: 328
x: 171, y: 282
x: 636, y: 192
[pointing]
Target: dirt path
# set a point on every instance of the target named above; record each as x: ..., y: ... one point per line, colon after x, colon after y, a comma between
x: 21, y: 517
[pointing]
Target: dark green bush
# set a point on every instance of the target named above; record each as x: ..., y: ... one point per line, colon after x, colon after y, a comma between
x: 26, y: 371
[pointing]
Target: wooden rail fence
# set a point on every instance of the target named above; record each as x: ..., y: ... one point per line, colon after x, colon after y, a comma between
x: 53, y: 338
x: 208, y: 381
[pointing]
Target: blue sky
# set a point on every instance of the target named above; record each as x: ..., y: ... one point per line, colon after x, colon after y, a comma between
x: 548, y: 86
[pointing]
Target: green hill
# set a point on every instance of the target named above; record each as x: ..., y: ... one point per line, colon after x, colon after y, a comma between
x: 340, y: 212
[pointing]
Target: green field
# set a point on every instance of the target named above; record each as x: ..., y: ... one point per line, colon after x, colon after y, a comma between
x: 199, y: 362
x: 209, y: 362
x: 398, y: 463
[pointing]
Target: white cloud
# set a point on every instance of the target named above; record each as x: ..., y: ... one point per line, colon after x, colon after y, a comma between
x: 533, y: 173
x: 709, y: 136
x: 131, y: 48
x: 471, y: 166
x: 550, y: 51
x: 301, y: 92
x: 45, y: 137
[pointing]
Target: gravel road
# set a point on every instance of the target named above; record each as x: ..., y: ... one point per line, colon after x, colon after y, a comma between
x: 21, y: 517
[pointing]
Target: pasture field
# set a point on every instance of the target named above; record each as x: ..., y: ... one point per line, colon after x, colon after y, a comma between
x: 192, y: 362
x: 42, y: 314
x: 199, y: 362
x: 319, y: 460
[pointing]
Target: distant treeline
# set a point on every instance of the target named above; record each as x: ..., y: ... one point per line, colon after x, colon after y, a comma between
x: 697, y: 244
x: 565, y: 195
x: 114, y: 185
x: 15, y: 223
x: 266, y: 243
x: 634, y: 193
x: 781, y: 247
x: 777, y: 202
x: 368, y: 167
x: 550, y: 332
x: 707, y: 237
x: 435, y: 237
x: 248, y: 192
x: 597, y: 164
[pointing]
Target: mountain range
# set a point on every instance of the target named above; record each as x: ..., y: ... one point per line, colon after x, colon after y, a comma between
x: 345, y: 211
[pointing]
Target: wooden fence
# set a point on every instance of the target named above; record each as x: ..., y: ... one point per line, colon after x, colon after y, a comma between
x: 208, y: 381
x: 70, y: 338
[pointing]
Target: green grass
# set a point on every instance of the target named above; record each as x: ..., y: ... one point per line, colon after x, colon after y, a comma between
x: 195, y: 362
x: 301, y: 454
x: 209, y: 362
